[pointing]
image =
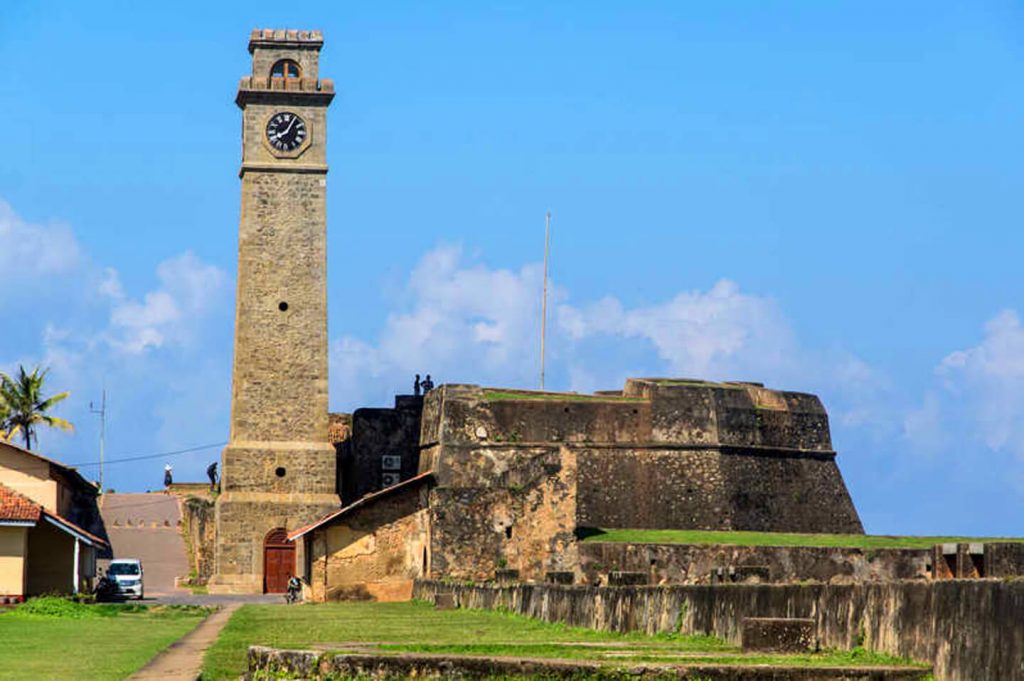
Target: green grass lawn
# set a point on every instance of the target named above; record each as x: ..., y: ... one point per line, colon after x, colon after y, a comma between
x: 418, y: 627
x: 862, y: 541
x: 501, y: 395
x: 87, y: 642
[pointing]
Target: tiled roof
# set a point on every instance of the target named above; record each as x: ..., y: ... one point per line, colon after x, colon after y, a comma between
x: 71, y: 528
x: 15, y: 506
x: 362, y: 501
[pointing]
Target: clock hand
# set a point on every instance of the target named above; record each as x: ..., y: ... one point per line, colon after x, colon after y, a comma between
x: 289, y: 128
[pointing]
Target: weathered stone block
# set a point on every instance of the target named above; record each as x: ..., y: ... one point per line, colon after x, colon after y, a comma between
x: 778, y: 634
x: 623, y: 578
x: 560, y: 577
x: 506, y: 575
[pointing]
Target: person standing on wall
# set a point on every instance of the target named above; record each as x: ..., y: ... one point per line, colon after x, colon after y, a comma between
x: 211, y: 472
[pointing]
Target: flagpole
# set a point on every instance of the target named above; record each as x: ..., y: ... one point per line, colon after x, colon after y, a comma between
x: 544, y: 298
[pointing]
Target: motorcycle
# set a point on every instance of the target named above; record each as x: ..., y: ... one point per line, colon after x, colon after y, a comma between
x: 293, y: 594
x: 106, y: 588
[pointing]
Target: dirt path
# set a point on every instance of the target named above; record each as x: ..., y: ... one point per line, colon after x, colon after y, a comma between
x: 183, y: 659
x: 145, y: 526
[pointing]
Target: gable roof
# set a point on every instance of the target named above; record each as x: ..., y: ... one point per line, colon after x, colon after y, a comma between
x: 365, y: 500
x: 17, y: 508
x: 70, y: 471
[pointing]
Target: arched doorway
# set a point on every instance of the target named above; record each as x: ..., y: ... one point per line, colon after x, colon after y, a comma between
x: 278, y: 561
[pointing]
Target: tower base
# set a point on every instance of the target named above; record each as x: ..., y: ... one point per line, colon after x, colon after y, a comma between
x: 245, y: 521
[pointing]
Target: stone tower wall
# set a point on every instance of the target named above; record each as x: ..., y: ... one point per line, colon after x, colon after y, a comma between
x: 279, y: 470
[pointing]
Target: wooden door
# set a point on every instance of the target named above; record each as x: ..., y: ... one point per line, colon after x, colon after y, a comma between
x: 278, y: 561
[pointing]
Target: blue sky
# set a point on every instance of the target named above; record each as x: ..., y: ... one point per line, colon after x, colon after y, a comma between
x: 820, y: 196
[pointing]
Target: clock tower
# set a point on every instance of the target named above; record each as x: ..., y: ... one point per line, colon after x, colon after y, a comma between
x: 278, y: 471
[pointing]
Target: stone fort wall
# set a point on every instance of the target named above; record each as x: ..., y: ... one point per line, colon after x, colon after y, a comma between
x: 659, y: 454
x: 968, y: 629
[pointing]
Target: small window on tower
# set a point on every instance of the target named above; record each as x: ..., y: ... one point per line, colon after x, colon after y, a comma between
x: 285, y: 68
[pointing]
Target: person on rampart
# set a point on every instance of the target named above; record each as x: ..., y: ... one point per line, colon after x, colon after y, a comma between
x: 168, y: 477
x: 211, y: 472
x: 416, y: 385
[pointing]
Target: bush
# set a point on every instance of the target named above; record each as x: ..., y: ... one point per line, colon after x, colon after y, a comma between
x: 56, y: 606
x: 70, y: 607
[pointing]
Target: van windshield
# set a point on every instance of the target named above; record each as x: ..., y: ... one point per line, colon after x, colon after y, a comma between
x: 123, y: 569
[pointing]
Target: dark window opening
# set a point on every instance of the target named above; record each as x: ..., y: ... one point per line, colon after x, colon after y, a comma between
x: 280, y: 471
x: 282, y: 306
x: 285, y: 68
x: 508, y: 532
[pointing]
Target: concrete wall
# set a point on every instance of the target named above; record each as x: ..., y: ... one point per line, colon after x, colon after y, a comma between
x: 51, y: 554
x: 28, y: 475
x: 697, y: 563
x: 379, y: 433
x: 970, y: 630
x: 13, y: 547
x: 375, y: 552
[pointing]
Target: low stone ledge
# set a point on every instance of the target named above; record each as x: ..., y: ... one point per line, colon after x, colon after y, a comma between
x: 270, y: 663
x: 559, y: 577
x: 624, y: 578
x: 779, y: 634
x: 506, y: 575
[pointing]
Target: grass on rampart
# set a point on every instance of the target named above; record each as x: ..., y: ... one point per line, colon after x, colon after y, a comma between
x: 54, y: 638
x: 499, y: 395
x: 860, y: 541
x: 636, y: 653
x: 418, y: 627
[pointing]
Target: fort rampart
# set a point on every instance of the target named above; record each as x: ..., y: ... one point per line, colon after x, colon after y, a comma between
x: 970, y: 630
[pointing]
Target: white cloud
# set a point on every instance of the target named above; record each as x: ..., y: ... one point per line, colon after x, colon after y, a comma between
x: 463, y: 323
x: 980, y: 391
x: 714, y: 334
x: 189, y: 291
x: 163, y: 355
x: 28, y: 250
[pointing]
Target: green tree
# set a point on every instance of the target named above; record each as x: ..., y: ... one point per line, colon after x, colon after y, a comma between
x: 23, y: 407
x: 7, y: 431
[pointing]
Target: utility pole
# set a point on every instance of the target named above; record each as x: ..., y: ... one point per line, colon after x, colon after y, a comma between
x: 544, y: 298
x: 102, y: 411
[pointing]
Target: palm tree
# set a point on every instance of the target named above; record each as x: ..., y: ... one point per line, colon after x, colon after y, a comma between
x: 25, y: 406
x: 7, y: 432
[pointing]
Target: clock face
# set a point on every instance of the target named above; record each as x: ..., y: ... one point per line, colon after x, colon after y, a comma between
x: 286, y: 131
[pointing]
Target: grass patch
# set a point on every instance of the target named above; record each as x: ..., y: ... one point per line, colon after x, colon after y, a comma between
x: 306, y: 625
x: 702, y: 650
x: 498, y: 395
x: 54, y: 638
x: 861, y: 541
x: 417, y: 627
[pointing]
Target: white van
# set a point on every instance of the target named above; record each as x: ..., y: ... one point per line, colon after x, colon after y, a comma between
x: 127, y: 574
